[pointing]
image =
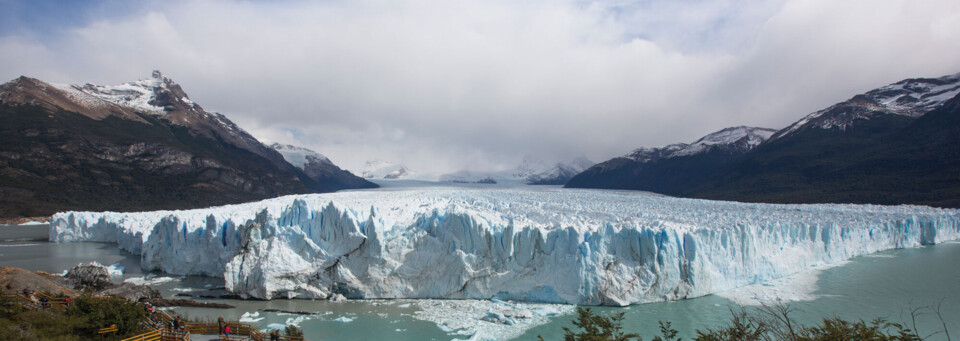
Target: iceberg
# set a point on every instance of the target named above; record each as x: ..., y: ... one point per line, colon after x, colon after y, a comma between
x: 589, y: 247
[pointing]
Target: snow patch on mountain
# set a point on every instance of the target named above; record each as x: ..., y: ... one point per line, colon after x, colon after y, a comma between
x: 139, y: 95
x: 916, y: 97
x: 543, y: 245
x: 299, y: 156
x: 532, y: 171
x: 910, y: 97
x: 76, y: 94
x: 379, y: 169
x: 557, y: 174
x: 735, y: 139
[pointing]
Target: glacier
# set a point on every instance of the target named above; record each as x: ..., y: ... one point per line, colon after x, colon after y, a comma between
x: 590, y: 247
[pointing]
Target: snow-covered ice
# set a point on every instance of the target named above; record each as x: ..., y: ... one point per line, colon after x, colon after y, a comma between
x: 488, y: 319
x: 540, y: 245
x: 793, y: 288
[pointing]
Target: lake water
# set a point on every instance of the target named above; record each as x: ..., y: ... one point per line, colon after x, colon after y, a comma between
x: 886, y: 285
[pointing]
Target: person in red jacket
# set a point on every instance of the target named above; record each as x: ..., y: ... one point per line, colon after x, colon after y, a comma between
x: 226, y: 331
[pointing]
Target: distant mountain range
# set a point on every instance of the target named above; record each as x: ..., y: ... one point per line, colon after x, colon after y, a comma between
x: 379, y: 169
x: 322, y: 174
x: 898, y: 144
x: 531, y: 171
x: 136, y: 146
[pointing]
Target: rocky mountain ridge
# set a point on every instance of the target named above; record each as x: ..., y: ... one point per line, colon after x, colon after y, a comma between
x: 854, y: 151
x: 134, y: 146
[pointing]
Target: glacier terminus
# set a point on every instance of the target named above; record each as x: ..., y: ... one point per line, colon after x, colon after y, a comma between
x: 590, y: 247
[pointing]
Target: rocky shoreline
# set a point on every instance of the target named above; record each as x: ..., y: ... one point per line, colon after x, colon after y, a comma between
x: 94, y: 278
x: 24, y: 220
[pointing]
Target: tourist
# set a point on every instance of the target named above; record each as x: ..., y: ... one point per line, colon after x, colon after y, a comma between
x: 220, y: 324
x: 226, y: 331
x: 275, y: 335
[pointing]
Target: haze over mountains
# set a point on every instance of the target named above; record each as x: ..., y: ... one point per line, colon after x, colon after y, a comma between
x: 531, y: 171
x: 136, y: 146
x: 145, y: 145
x: 892, y: 145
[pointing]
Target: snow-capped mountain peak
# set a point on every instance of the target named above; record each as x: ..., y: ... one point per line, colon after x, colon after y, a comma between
x: 735, y: 139
x: 741, y: 137
x: 379, y: 169
x: 910, y: 97
x: 156, y: 95
x: 915, y: 97
x: 299, y: 156
x: 529, y: 166
x: 535, y: 171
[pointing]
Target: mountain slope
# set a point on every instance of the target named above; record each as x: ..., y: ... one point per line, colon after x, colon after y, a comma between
x: 892, y: 145
x: 671, y: 168
x: 162, y: 97
x: 138, y: 146
x: 891, y: 159
x: 320, y: 171
x: 379, y: 169
x: 534, y: 172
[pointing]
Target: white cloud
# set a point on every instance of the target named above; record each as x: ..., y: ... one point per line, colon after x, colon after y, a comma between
x: 450, y: 84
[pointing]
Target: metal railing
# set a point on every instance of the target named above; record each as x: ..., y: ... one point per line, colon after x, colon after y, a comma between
x: 236, y: 329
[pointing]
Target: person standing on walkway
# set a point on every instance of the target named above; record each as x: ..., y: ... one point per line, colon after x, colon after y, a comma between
x: 226, y: 331
x: 275, y: 335
x: 220, y: 324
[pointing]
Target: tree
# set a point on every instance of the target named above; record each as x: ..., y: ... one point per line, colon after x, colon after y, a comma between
x: 595, y: 327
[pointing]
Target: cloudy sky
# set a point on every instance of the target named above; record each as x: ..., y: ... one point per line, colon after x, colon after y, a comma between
x: 450, y: 84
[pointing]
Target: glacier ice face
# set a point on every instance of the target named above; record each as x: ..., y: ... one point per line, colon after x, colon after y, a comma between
x: 543, y: 245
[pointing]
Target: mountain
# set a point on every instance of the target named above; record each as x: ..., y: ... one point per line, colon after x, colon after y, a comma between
x: 909, y: 98
x: 321, y: 172
x: 893, y: 145
x: 536, y: 172
x: 672, y: 168
x: 885, y: 159
x: 135, y: 146
x: 531, y: 171
x: 379, y: 169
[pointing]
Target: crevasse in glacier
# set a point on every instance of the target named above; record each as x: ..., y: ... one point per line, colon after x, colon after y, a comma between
x: 544, y: 245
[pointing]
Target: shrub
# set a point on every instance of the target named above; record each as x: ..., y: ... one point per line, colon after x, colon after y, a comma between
x: 292, y: 330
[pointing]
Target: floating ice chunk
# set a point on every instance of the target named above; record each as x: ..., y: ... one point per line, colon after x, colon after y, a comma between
x: 297, y: 320
x: 344, y: 319
x: 149, y: 280
x: 248, y: 317
x: 115, y: 269
x: 497, y: 321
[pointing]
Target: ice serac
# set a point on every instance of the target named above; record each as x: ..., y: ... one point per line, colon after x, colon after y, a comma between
x: 547, y: 245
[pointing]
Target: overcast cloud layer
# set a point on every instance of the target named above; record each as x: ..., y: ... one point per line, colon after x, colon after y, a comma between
x: 447, y: 85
